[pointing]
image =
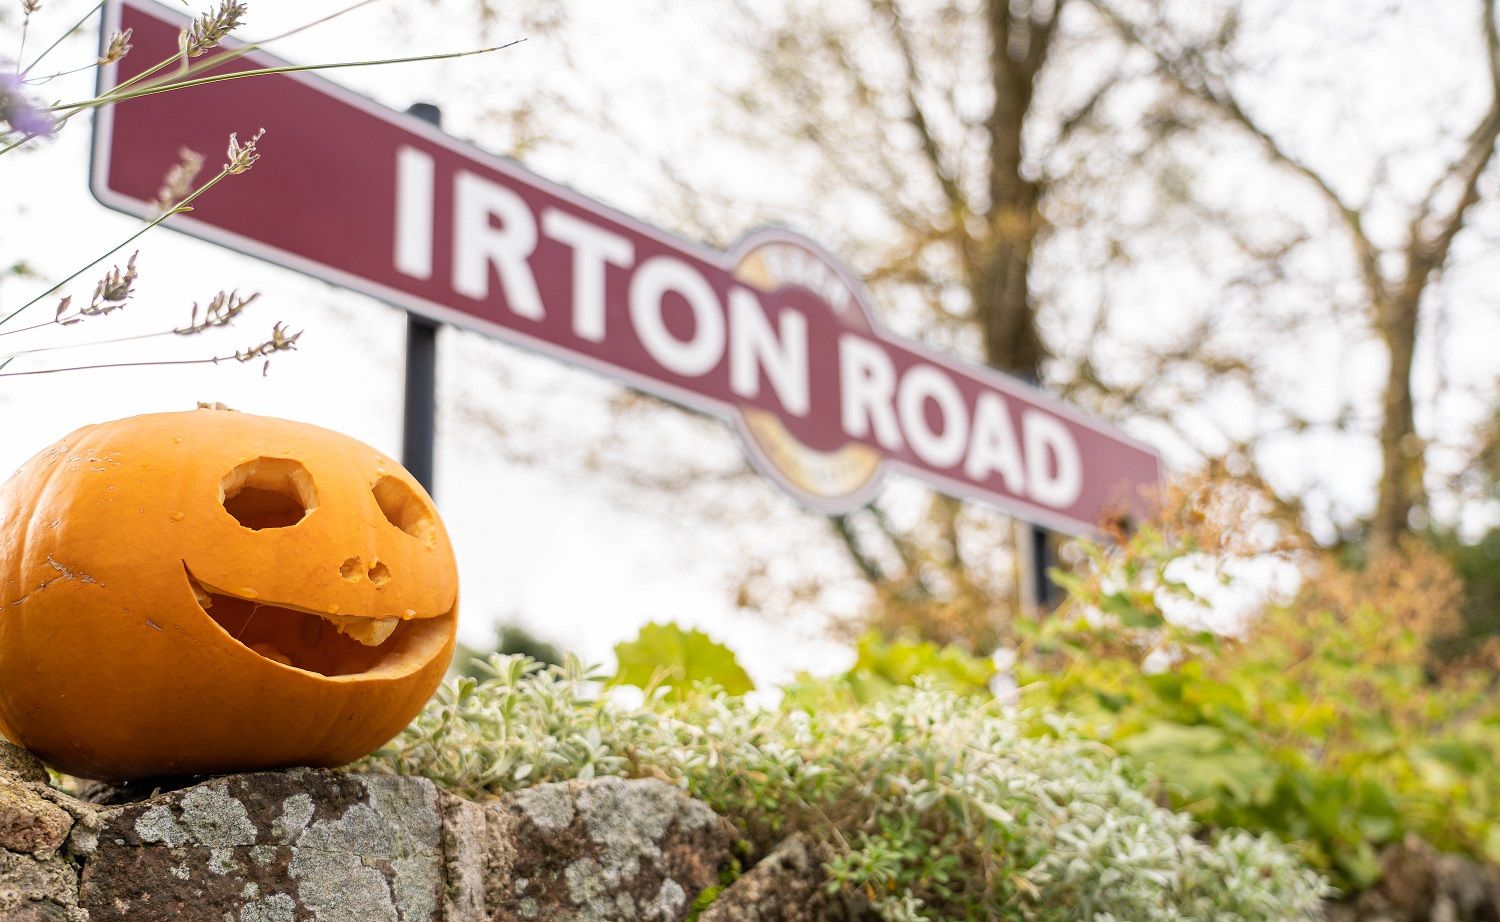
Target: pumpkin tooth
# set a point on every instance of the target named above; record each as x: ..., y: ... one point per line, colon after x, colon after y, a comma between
x: 372, y: 632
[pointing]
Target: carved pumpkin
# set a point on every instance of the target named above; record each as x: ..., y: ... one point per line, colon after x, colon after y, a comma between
x: 211, y: 591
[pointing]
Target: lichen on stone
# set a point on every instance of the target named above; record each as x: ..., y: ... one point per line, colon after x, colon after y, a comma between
x: 334, y: 859
x: 627, y: 821
x: 296, y: 813
x: 587, y: 880
x: 410, y: 809
x: 361, y: 829
x: 548, y: 807
x: 668, y: 902
x: 315, y: 846
x: 157, y: 824
x: 216, y: 819
x: 263, y: 855
x: 27, y: 880
x: 222, y: 861
x: 83, y: 840
x: 415, y: 884
x: 278, y: 907
x: 338, y: 887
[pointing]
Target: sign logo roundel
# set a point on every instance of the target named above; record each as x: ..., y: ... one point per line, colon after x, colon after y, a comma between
x: 837, y: 478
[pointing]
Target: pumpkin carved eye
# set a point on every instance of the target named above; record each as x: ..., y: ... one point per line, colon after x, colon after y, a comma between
x: 268, y: 493
x: 404, y: 509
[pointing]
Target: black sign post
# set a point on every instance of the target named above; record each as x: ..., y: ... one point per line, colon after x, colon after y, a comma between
x: 419, y: 416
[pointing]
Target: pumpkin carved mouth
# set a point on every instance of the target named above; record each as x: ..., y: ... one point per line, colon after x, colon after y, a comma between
x: 329, y: 645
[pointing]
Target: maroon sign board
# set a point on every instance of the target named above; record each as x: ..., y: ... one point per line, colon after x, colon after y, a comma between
x: 774, y: 336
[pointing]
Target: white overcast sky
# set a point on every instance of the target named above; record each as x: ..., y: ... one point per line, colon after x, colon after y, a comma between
x: 544, y: 541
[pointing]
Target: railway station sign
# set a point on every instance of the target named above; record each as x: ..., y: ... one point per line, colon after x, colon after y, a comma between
x: 775, y: 336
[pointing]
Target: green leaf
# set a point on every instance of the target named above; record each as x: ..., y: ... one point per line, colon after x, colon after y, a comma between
x: 665, y: 654
x: 900, y: 662
x: 1203, y: 761
x: 1360, y: 863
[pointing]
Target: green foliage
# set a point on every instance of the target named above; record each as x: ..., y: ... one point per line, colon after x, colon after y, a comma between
x: 883, y: 666
x: 934, y: 805
x: 706, y: 897
x: 1325, y: 725
x: 666, y: 655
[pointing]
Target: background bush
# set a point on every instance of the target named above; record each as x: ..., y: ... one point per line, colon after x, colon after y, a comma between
x: 936, y: 805
x: 1333, y: 721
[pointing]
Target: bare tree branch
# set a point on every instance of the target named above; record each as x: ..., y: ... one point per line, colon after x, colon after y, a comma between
x: 867, y: 566
x: 1428, y: 253
x: 1220, y: 98
x: 917, y: 117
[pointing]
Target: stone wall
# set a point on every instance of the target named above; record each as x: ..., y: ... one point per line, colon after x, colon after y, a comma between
x: 310, y: 845
x: 331, y: 846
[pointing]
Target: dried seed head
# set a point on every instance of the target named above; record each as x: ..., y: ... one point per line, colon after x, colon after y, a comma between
x: 113, y: 290
x: 119, y: 46
x: 208, y: 30
x: 242, y: 156
x: 280, y: 341
x: 220, y: 312
x: 30, y: 6
x: 178, y: 183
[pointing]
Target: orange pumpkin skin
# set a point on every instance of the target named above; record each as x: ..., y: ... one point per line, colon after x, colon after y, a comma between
x: 114, y: 540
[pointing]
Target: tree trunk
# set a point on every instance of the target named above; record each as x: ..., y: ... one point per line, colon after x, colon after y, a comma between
x: 1000, y: 262
x: 1401, y: 456
x: 1001, y: 290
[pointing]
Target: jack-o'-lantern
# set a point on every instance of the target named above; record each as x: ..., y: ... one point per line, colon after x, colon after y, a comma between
x: 212, y: 591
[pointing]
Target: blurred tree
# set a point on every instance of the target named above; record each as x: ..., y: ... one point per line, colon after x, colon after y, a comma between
x: 1396, y: 276
x: 509, y: 638
x: 985, y: 134
x: 1184, y: 214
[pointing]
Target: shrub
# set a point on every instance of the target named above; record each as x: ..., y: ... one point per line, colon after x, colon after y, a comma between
x: 881, y: 666
x: 936, y: 805
x: 1329, y: 722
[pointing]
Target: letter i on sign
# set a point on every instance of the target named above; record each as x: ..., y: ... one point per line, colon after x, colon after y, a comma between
x: 414, y: 192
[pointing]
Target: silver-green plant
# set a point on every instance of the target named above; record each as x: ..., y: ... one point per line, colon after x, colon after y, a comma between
x: 933, y: 805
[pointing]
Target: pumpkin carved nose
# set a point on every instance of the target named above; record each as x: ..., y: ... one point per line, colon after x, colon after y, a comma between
x: 380, y: 574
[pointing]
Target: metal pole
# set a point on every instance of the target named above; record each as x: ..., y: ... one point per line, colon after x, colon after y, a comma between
x: 1043, y: 558
x: 419, y: 410
x: 1039, y: 553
